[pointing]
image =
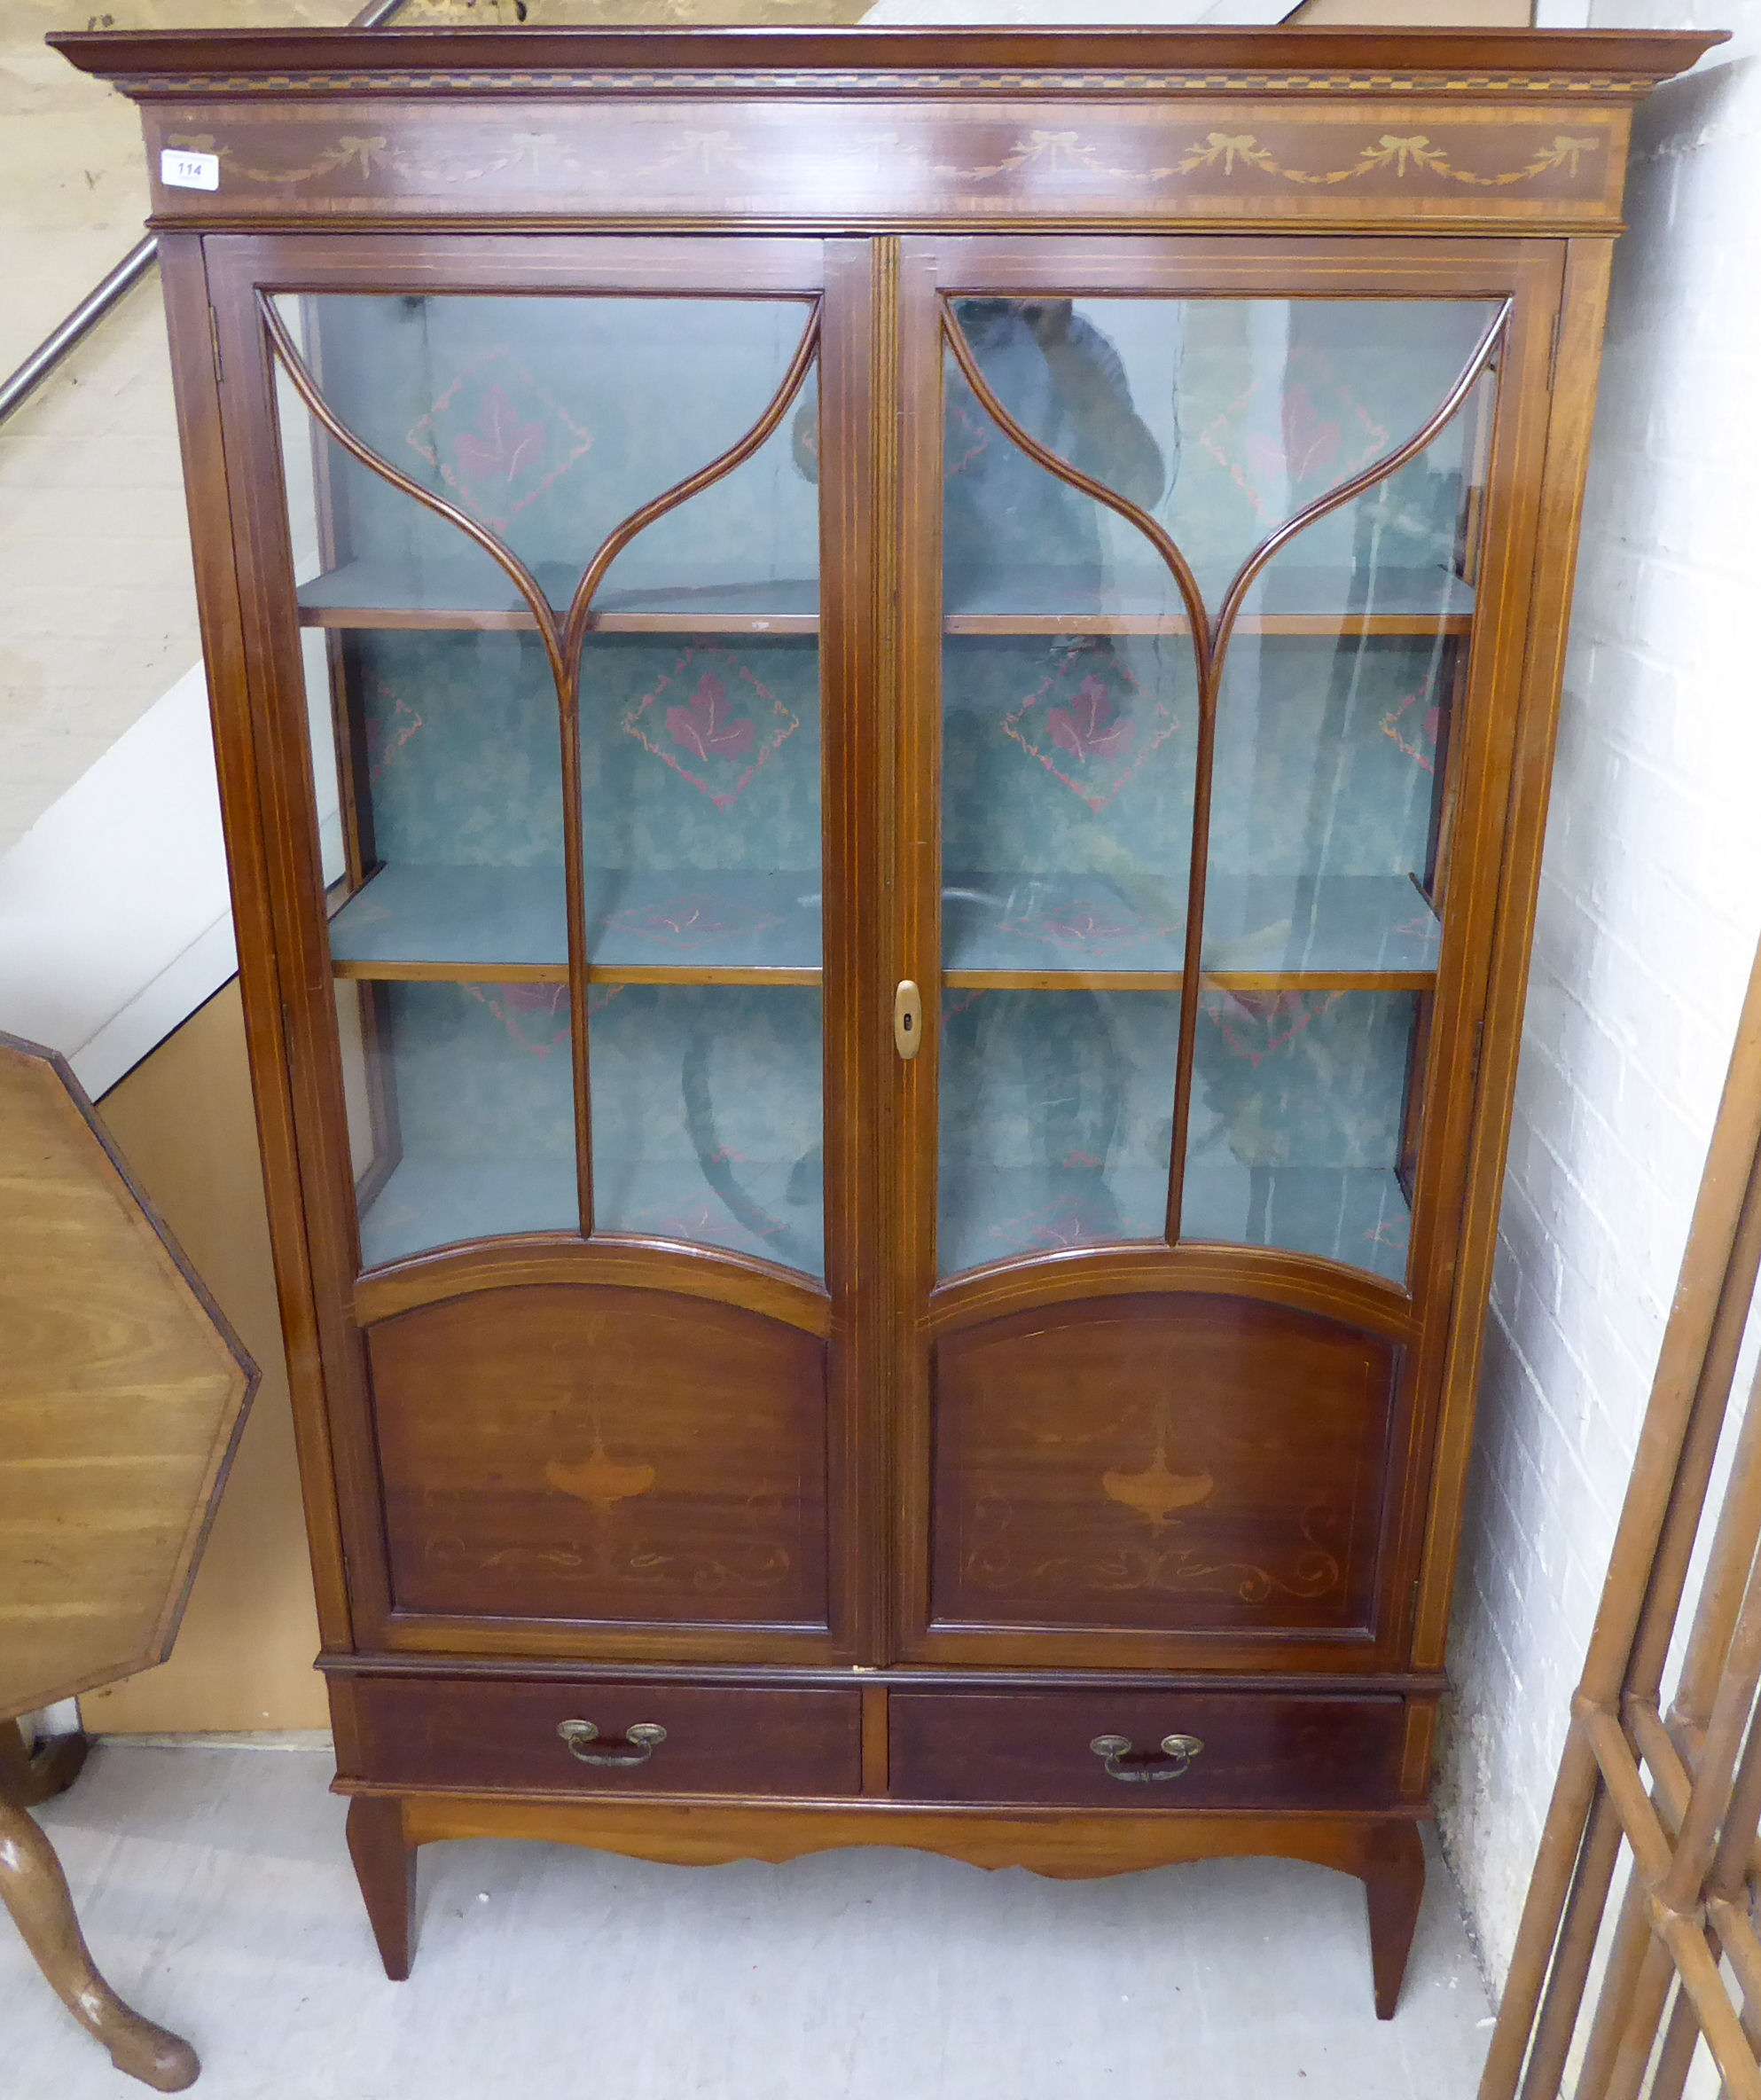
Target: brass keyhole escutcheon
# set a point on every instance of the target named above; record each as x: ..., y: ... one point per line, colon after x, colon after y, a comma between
x: 908, y: 1018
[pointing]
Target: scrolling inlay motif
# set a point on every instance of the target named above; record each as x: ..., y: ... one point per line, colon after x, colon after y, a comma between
x: 1150, y: 1567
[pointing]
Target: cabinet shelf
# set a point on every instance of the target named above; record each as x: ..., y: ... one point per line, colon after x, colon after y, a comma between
x: 1287, y: 600
x: 1358, y: 1216
x: 557, y: 973
x: 428, y: 1202
x: 1046, y: 932
x: 378, y: 594
x: 433, y: 1202
x: 507, y: 925
x: 1089, y: 980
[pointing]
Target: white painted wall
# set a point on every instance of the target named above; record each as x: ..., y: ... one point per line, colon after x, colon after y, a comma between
x: 1649, y: 911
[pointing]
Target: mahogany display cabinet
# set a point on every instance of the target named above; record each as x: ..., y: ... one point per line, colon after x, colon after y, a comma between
x: 884, y: 703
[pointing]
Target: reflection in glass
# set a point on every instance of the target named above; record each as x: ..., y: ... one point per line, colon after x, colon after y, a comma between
x: 1071, y: 688
x: 1056, y: 1111
x: 1328, y: 856
x: 1298, y: 1121
x: 478, y: 1109
x: 1222, y: 418
x: 1067, y: 769
x: 708, y: 1116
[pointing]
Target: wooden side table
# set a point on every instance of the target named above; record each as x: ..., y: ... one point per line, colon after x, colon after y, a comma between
x: 122, y: 1389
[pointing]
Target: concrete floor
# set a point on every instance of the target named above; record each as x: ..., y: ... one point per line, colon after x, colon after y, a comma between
x: 215, y: 1889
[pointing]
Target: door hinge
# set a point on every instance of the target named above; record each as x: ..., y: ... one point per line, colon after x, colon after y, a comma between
x: 1552, y: 351
x: 1416, y: 1587
x: 1479, y: 1045
x: 214, y: 341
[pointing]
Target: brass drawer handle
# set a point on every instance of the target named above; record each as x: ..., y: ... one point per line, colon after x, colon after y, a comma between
x: 907, y: 1020
x: 638, y: 1745
x: 1179, y: 1751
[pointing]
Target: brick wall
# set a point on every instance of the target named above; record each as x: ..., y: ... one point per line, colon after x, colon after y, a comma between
x: 1649, y: 911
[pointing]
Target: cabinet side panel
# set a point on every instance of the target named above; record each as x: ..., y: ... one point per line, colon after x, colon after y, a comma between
x: 579, y: 1454
x: 1558, y: 504
x: 212, y: 528
x: 1196, y: 1463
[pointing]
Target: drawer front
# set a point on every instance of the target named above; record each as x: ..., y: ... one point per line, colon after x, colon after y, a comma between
x: 473, y: 1734
x: 1256, y: 1750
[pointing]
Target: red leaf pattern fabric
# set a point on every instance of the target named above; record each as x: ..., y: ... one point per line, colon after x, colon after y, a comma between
x: 501, y: 447
x: 708, y: 739
x: 708, y: 728
x: 1090, y: 725
x: 496, y: 437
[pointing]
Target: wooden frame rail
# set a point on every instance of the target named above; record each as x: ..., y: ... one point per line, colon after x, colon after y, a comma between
x: 1681, y: 1793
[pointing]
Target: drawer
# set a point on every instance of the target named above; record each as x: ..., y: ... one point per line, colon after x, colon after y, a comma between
x: 1258, y: 1749
x: 476, y: 1733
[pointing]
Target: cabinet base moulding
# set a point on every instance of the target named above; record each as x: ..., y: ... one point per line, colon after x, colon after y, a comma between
x: 1384, y: 1852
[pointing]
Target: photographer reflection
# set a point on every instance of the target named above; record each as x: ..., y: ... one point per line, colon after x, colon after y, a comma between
x: 1007, y: 520
x: 1008, y: 523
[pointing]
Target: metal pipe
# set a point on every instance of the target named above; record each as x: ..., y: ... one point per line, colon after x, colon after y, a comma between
x: 92, y: 309
x: 113, y: 287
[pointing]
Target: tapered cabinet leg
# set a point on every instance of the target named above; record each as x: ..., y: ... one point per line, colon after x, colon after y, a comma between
x: 384, y: 1865
x: 1393, y: 1874
x: 36, y: 1892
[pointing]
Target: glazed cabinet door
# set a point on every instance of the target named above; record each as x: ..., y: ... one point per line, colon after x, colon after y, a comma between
x: 553, y: 643
x: 1214, y: 576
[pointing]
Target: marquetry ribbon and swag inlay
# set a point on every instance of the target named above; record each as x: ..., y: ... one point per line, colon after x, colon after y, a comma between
x: 1161, y: 153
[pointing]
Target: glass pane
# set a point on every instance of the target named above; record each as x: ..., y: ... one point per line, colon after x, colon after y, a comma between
x: 1326, y: 803
x: 707, y: 1114
x: 700, y: 778
x: 1327, y: 869
x: 1070, y: 740
x: 701, y: 835
x: 1056, y: 1113
x: 1067, y: 796
x: 548, y: 420
x: 1222, y: 417
x: 1298, y: 1123
x: 749, y: 545
x: 1016, y: 539
x: 1068, y: 743
x: 479, y: 1106
x: 460, y: 799
x: 438, y: 744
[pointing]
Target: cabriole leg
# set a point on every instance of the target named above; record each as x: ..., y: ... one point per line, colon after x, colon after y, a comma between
x: 29, y: 1777
x: 34, y: 1890
x: 384, y: 1865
